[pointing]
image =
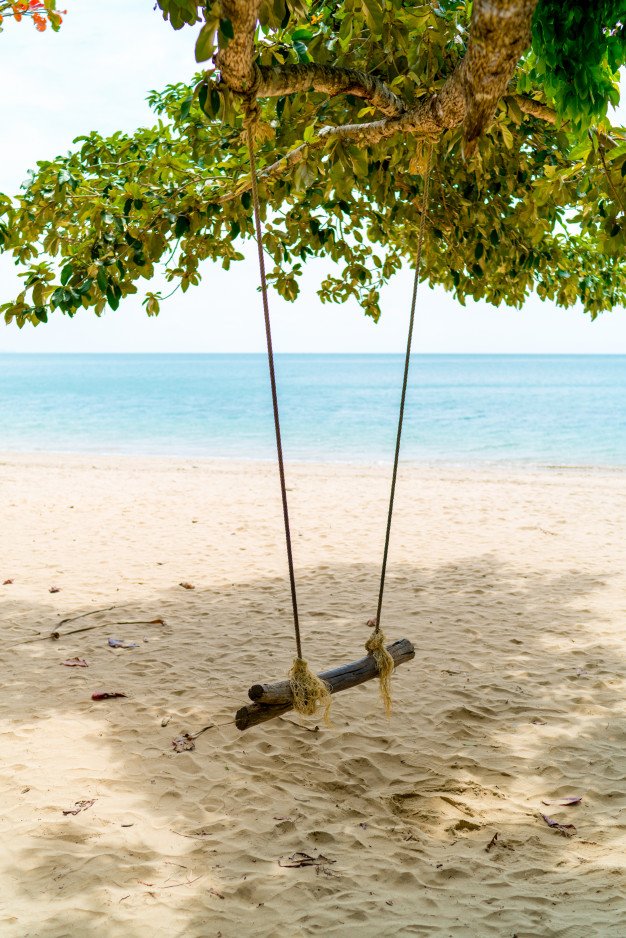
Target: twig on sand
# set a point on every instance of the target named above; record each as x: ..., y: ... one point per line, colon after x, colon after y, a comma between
x: 173, y: 885
x: 87, y: 628
x: 298, y: 860
x: 56, y: 634
x: 186, y: 741
x: 83, y: 615
x: 187, y: 883
x: 209, y: 726
x: 492, y: 842
x: 188, y: 836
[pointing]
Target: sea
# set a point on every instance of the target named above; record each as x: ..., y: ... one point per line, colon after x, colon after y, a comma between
x: 462, y: 410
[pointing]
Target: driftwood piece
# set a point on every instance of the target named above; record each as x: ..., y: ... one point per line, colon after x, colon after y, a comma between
x: 272, y: 700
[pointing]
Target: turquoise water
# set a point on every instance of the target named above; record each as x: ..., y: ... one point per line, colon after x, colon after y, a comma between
x: 460, y: 409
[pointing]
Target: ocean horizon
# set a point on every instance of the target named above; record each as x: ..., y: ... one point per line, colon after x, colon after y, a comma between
x: 533, y: 410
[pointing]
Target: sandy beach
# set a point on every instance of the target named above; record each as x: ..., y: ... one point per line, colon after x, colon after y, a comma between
x: 512, y: 587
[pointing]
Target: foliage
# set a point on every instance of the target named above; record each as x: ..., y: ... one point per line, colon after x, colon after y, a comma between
x: 535, y: 209
x: 578, y: 48
x: 42, y: 13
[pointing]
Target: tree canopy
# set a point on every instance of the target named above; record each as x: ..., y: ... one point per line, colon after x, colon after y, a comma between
x: 528, y: 188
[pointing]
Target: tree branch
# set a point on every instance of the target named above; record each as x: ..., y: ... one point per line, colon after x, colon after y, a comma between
x: 235, y: 61
x: 499, y: 35
x: 534, y: 108
x: 500, y: 32
x: 287, y: 79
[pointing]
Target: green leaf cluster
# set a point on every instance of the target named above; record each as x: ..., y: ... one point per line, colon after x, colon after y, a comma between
x: 578, y: 49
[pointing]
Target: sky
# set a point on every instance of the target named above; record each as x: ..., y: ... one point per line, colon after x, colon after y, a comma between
x: 94, y: 75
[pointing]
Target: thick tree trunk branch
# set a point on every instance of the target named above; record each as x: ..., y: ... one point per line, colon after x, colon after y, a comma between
x: 287, y: 79
x: 500, y: 32
x: 499, y: 35
x: 419, y: 122
x: 235, y: 61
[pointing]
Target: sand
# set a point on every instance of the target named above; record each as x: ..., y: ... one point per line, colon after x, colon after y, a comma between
x: 513, y: 589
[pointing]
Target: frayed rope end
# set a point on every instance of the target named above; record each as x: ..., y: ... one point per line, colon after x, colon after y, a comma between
x: 309, y: 692
x: 375, y: 645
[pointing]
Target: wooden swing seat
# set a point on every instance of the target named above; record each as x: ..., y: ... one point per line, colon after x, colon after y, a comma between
x: 272, y: 700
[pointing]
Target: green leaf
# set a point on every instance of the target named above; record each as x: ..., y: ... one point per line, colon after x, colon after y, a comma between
x: 373, y: 13
x: 185, y: 107
x: 38, y: 294
x: 66, y: 273
x: 226, y: 28
x: 101, y: 279
x: 112, y: 298
x: 182, y: 226
x: 205, y: 43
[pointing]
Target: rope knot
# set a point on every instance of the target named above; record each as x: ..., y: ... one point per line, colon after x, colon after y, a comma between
x: 309, y: 692
x: 375, y: 646
x: 251, y: 108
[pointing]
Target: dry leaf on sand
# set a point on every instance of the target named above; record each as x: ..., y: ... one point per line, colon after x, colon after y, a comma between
x: 568, y: 830
x: 80, y: 806
x: 183, y: 743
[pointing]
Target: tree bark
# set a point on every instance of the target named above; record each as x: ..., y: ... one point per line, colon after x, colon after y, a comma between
x: 287, y: 79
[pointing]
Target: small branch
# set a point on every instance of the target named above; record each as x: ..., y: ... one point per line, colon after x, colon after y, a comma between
x: 366, y: 134
x: 534, y: 108
x: 84, y: 615
x: 616, y: 196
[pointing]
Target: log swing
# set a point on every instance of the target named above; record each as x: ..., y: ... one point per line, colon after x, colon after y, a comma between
x: 305, y: 691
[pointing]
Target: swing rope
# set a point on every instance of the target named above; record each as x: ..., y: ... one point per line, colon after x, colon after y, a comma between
x: 308, y: 691
x: 405, y: 381
x: 375, y: 645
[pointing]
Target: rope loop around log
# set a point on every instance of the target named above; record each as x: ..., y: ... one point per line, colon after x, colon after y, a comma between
x: 308, y: 690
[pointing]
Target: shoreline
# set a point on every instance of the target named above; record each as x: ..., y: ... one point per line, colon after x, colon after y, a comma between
x: 445, y: 467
